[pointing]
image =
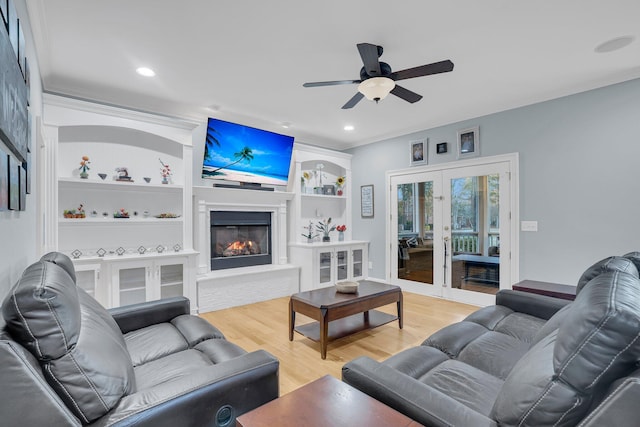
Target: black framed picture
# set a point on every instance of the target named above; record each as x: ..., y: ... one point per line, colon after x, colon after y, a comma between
x: 4, y: 180
x: 22, y: 202
x: 14, y: 184
x: 441, y: 148
x: 468, y: 142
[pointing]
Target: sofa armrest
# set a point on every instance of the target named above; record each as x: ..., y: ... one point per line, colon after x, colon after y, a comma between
x: 214, y: 395
x: 416, y: 400
x: 540, y: 306
x: 136, y: 316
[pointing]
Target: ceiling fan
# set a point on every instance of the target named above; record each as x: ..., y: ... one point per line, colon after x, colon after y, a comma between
x: 377, y: 80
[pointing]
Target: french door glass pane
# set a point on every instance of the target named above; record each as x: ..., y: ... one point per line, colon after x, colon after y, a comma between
x: 475, y: 239
x: 415, y: 231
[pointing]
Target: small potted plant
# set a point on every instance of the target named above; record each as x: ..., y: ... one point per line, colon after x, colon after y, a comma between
x: 325, y: 228
x: 69, y: 213
x: 309, y: 235
x: 84, y: 167
x: 79, y: 213
x: 341, y: 229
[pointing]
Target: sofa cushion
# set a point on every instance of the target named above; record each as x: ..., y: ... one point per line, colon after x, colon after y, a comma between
x: 494, y: 353
x: 83, y: 359
x: 472, y: 387
x: 195, y: 329
x: 613, y: 263
x: 63, y: 261
x: 599, y: 339
x: 416, y: 361
x: 170, y: 368
x: 220, y: 350
x: 153, y: 342
x: 634, y: 257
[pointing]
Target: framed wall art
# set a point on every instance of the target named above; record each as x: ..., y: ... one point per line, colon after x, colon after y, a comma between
x: 14, y: 184
x: 366, y: 201
x: 441, y: 148
x: 22, y: 203
x: 418, y: 152
x: 468, y: 143
x: 4, y: 180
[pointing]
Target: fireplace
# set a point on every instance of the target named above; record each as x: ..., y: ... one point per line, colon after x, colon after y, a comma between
x: 240, y: 239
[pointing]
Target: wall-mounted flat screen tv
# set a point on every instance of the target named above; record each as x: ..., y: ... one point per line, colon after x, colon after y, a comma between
x: 238, y: 153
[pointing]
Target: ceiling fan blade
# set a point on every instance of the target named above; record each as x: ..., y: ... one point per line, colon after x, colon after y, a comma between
x: 406, y: 94
x: 423, y: 70
x: 353, y: 101
x: 331, y: 83
x: 369, y: 55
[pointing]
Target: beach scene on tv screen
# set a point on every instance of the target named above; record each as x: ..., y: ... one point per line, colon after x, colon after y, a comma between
x: 244, y: 154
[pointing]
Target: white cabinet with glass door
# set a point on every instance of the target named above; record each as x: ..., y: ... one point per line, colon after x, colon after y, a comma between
x: 88, y: 278
x: 324, y: 264
x: 135, y: 281
x: 451, y: 229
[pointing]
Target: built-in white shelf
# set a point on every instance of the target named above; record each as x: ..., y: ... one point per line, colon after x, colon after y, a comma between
x: 321, y: 196
x: 92, y: 221
x: 70, y: 183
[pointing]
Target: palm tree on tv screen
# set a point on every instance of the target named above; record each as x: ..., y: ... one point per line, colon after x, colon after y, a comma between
x: 245, y: 154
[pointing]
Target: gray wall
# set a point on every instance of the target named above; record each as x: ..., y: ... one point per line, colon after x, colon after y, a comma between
x: 579, y: 178
x: 18, y: 229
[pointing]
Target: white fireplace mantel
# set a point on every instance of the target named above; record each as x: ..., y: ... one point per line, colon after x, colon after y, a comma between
x: 209, y: 199
x: 232, y: 287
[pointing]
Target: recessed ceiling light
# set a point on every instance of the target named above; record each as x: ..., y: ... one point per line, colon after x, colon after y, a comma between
x: 349, y: 128
x: 286, y: 125
x: 147, y: 72
x: 614, y: 44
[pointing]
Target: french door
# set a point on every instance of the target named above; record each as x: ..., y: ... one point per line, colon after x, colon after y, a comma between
x: 450, y: 231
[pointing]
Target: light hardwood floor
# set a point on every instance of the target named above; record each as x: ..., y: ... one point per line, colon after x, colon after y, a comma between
x: 264, y: 325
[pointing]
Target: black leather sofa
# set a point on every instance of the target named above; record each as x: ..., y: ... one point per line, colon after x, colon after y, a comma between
x: 66, y: 361
x: 529, y: 360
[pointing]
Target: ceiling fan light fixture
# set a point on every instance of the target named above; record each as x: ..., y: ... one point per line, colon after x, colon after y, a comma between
x: 376, y: 88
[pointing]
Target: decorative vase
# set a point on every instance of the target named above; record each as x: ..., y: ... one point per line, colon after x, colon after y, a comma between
x: 309, y: 239
x: 84, y: 175
x: 339, y: 192
x: 341, y: 236
x: 165, y: 180
x: 326, y: 238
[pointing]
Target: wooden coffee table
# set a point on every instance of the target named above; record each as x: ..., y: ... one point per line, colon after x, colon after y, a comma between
x: 326, y: 402
x: 339, y: 315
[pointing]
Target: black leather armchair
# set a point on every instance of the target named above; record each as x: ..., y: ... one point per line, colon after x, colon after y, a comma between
x: 66, y: 361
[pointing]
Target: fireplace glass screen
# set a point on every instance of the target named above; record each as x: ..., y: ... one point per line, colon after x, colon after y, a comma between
x: 240, y: 239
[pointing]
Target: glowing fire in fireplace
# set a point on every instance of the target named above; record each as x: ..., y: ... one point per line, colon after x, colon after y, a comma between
x: 248, y: 247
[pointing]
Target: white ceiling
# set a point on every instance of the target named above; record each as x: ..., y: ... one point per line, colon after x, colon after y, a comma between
x: 246, y: 61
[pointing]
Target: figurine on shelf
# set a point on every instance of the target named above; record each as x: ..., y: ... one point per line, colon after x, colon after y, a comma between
x: 165, y: 172
x: 84, y: 167
x: 123, y: 174
x: 340, y: 181
x: 122, y: 213
x: 325, y: 227
x: 80, y: 212
x: 310, y: 236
